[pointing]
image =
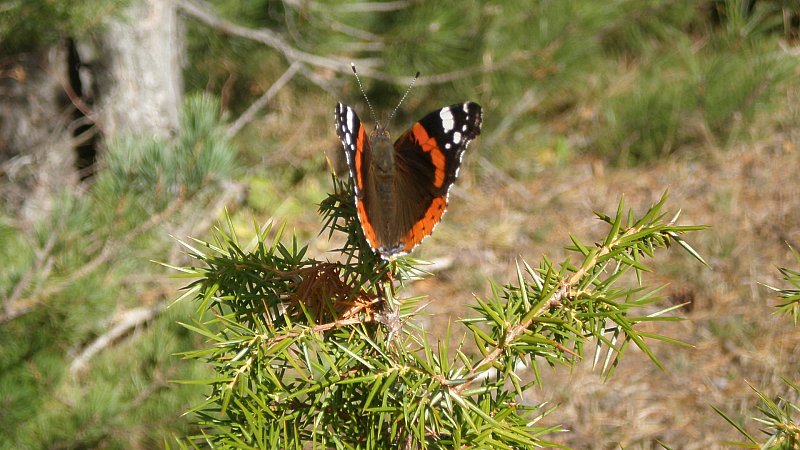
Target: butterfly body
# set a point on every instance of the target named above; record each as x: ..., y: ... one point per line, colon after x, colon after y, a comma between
x: 380, y: 184
x: 401, y: 188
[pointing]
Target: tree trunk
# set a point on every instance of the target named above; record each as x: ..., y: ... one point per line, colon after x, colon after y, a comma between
x: 36, y: 156
x: 127, y: 80
x: 139, y: 79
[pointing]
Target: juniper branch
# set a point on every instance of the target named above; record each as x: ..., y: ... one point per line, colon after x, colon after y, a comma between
x: 616, y: 241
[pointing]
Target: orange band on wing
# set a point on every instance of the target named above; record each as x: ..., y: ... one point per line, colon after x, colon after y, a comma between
x: 369, y: 230
x: 424, y: 226
x: 359, y: 156
x: 430, y: 146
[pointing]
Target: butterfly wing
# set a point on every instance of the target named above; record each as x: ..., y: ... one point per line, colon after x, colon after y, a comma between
x: 357, y: 152
x: 427, y: 161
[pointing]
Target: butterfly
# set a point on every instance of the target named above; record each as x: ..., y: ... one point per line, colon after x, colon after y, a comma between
x: 401, y: 188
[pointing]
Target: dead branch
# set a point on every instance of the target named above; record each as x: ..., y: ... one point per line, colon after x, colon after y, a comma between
x: 320, y: 81
x: 354, y: 32
x: 527, y: 102
x: 205, y: 13
x: 262, y: 101
x: 336, y: 25
x: 78, y: 103
x: 112, y: 248
x: 22, y: 307
x: 445, y: 77
x: 137, y: 317
x: 373, y: 6
x: 43, y: 255
x: 129, y: 320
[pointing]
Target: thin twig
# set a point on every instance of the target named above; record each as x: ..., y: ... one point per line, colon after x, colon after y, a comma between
x: 112, y: 248
x: 85, y: 136
x: 78, y: 102
x: 373, y: 6
x: 354, y: 32
x: 145, y: 394
x: 139, y: 316
x: 321, y: 82
x: 206, y: 14
x: 262, y: 101
x: 130, y: 320
x: 351, y: 7
x: 24, y: 306
x: 527, y: 102
x: 324, y: 11
x: 42, y: 257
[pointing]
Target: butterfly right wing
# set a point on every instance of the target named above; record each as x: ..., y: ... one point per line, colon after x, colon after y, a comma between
x: 357, y: 151
x: 428, y: 158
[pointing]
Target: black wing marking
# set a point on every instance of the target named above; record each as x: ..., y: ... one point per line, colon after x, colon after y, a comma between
x: 428, y: 158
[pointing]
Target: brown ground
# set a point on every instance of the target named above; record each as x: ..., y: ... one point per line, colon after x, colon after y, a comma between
x: 749, y: 194
x: 751, y: 197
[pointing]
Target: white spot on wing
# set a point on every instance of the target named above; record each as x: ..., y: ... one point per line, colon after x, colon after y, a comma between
x: 465, y: 107
x: 447, y: 146
x: 464, y: 128
x: 350, y: 119
x: 447, y: 119
x: 457, y: 138
x: 347, y: 138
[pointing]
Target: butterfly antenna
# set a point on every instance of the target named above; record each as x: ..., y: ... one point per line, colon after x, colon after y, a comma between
x: 403, y: 98
x: 360, y: 86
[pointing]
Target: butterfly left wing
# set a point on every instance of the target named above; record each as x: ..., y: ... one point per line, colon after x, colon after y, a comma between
x: 358, y: 152
x: 427, y: 161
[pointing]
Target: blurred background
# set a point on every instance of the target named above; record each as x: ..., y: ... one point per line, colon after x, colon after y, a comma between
x: 128, y: 124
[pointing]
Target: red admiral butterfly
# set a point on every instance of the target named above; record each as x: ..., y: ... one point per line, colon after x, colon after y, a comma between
x: 401, y: 189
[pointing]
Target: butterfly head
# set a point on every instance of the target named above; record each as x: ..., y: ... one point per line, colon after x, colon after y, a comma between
x: 383, y: 157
